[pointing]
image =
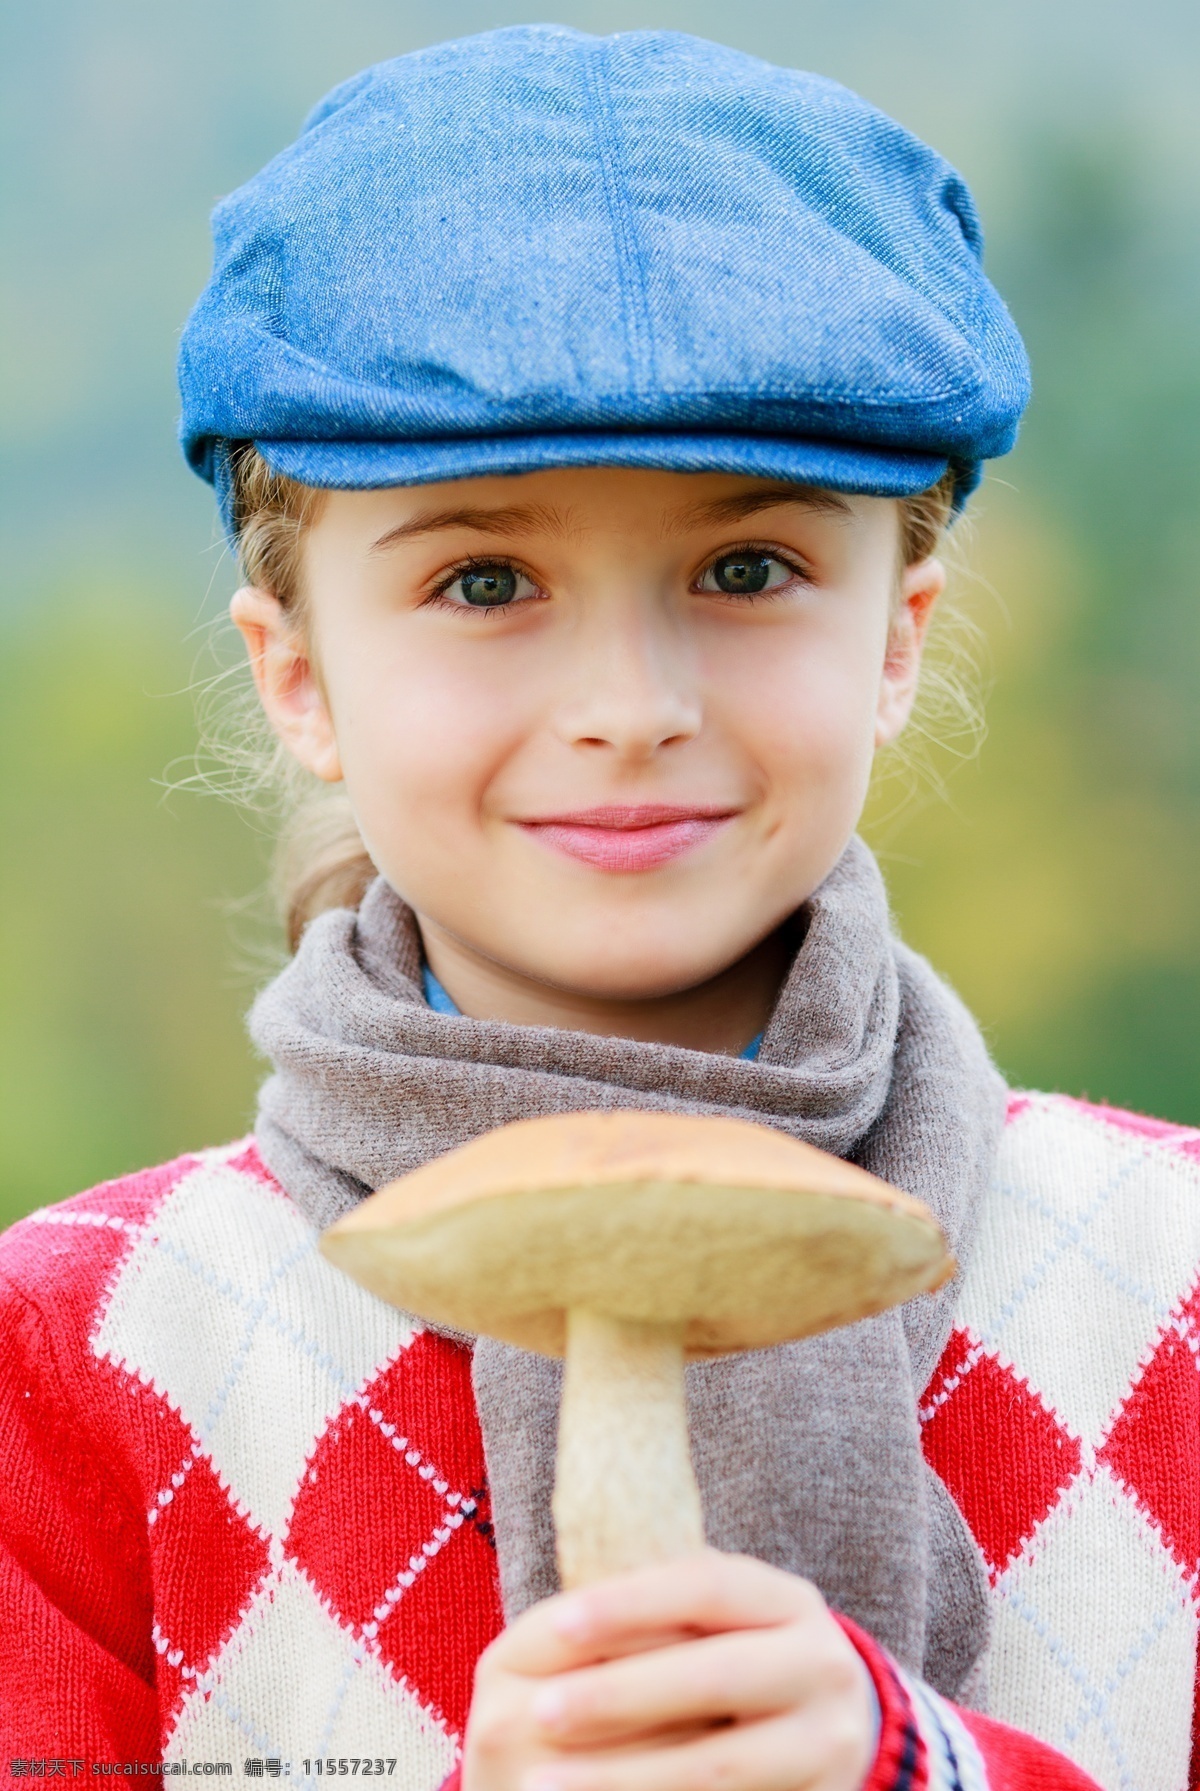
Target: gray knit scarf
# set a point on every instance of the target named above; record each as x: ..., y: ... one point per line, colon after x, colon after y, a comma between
x: 808, y: 1455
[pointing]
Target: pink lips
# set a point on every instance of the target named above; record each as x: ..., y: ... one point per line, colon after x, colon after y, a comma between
x: 638, y: 838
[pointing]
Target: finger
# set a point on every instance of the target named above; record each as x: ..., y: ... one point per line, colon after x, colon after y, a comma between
x: 535, y: 1643
x: 740, y: 1675
x: 822, y: 1751
x: 702, y: 1593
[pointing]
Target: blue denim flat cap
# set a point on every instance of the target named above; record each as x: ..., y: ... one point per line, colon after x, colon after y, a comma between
x: 535, y: 248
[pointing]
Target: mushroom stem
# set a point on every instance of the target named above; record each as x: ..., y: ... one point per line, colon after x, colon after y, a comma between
x: 625, y: 1494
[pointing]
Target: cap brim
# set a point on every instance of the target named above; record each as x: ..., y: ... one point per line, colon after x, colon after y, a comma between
x: 835, y: 466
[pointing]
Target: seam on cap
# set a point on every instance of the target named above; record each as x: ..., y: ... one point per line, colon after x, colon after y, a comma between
x: 635, y: 304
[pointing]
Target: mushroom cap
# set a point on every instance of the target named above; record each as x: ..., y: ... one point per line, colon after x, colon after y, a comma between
x: 739, y: 1234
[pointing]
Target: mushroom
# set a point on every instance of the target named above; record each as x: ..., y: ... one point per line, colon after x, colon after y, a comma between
x: 626, y: 1242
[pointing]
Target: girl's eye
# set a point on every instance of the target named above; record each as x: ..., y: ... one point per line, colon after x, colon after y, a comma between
x: 745, y: 574
x: 489, y: 587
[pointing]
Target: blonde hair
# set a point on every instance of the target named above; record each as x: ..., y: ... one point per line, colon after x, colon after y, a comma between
x: 321, y: 861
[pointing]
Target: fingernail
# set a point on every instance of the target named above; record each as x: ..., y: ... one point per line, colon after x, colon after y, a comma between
x: 549, y: 1707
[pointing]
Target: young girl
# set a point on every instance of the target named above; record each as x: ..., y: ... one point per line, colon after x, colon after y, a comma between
x: 586, y: 413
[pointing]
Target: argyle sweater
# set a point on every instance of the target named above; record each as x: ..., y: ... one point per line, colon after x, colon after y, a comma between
x: 244, y: 1518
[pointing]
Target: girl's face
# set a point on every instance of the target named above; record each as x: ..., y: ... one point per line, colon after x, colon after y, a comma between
x: 603, y: 729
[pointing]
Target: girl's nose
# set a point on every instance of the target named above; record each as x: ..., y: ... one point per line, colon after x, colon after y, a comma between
x: 633, y: 687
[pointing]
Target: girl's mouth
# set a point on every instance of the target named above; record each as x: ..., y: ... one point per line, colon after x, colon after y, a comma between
x: 636, y: 838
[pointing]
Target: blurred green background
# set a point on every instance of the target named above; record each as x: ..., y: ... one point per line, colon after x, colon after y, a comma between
x: 1054, y: 882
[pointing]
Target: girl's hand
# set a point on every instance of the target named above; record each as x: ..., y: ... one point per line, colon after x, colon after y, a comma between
x: 711, y: 1673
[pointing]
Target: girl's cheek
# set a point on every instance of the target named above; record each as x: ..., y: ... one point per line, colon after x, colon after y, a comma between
x: 813, y: 683
x: 815, y: 727
x: 430, y: 745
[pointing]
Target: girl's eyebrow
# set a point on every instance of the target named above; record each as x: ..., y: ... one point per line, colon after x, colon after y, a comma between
x: 768, y: 497
x: 505, y: 521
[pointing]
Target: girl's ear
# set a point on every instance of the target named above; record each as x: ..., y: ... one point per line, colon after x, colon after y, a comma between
x: 287, y: 683
x: 920, y: 587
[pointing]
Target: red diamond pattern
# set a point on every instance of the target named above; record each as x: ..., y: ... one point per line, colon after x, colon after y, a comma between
x: 444, y: 1622
x: 1151, y: 1450
x: 361, y: 1516
x: 196, y: 1611
x: 396, y: 1541
x: 1003, y: 1456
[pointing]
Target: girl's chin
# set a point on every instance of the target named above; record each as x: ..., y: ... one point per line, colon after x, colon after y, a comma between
x: 620, y: 965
